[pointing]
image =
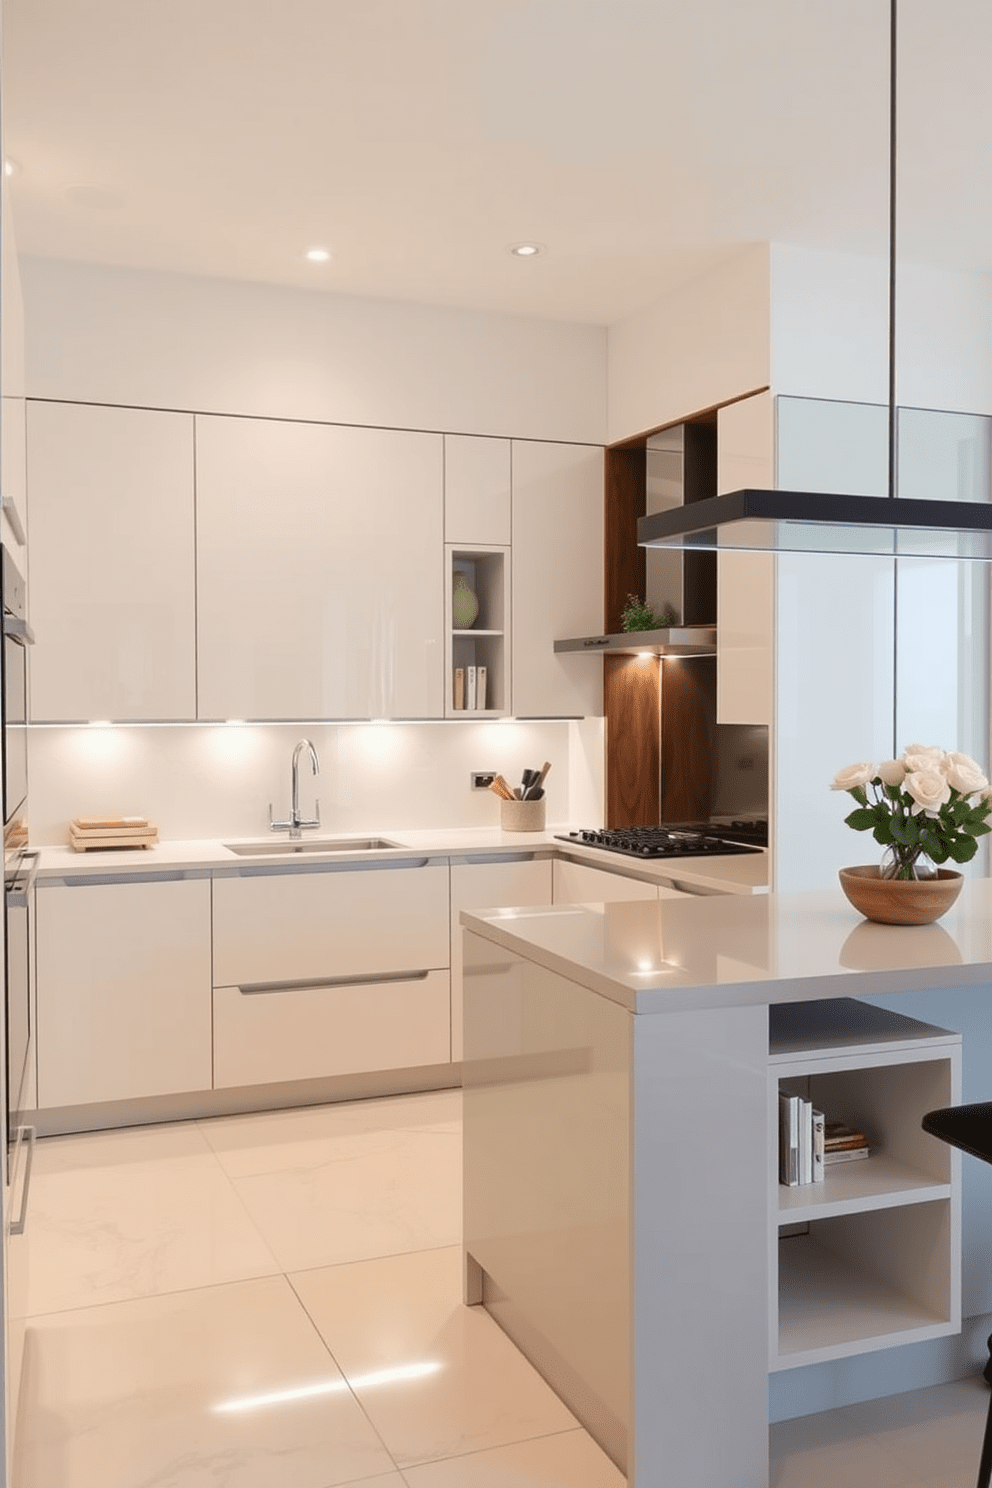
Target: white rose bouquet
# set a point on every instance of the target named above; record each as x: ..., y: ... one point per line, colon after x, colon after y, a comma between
x: 925, y: 804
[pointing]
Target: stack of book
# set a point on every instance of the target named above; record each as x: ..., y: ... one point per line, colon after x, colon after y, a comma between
x: 470, y: 689
x: 89, y: 832
x: 808, y: 1144
x: 800, y: 1141
x: 842, y: 1144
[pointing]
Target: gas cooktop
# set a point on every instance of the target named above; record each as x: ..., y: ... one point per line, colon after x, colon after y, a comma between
x: 689, y: 841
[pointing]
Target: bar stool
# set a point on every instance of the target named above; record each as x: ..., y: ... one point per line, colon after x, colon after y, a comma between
x: 970, y: 1128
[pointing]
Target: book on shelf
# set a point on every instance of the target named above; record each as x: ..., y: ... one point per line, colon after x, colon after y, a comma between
x: 480, y: 687
x: 819, y: 1134
x: 788, y: 1139
x: 471, y: 687
x: 844, y: 1154
x: 805, y: 1141
x: 459, y: 699
x: 837, y: 1136
x: 842, y: 1143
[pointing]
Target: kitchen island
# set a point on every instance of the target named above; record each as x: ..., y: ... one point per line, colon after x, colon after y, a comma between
x: 622, y: 1204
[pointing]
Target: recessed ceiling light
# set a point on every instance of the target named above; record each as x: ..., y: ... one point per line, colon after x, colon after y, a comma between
x: 318, y: 255
x: 10, y: 167
x: 526, y: 250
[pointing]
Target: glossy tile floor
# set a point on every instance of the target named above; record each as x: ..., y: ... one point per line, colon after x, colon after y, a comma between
x: 273, y: 1301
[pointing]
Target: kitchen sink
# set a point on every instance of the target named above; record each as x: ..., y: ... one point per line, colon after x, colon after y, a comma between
x: 277, y: 848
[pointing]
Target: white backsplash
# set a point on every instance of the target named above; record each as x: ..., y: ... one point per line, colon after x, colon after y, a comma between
x: 217, y: 780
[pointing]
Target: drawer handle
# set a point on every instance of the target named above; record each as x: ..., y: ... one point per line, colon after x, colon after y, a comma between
x: 31, y: 1132
x: 283, y: 870
x: 512, y: 857
x: 254, y: 989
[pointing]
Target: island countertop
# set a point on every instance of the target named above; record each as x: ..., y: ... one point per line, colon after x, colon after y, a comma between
x: 739, y: 950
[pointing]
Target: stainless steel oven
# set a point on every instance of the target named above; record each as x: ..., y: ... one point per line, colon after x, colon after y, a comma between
x: 18, y: 902
x: 19, y: 863
x: 17, y: 637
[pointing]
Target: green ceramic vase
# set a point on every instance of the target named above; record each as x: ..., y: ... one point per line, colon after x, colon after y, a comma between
x: 464, y: 604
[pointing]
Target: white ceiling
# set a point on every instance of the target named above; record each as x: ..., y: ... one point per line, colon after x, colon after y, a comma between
x: 637, y: 139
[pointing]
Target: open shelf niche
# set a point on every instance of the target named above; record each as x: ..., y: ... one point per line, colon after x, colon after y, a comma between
x: 869, y: 1258
x: 486, y: 642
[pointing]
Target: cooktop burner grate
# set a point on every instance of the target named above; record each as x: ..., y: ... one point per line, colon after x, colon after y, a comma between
x: 671, y: 842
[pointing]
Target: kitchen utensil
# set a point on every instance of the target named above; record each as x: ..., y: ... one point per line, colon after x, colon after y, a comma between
x: 534, y: 793
x: 501, y: 789
x: 544, y: 772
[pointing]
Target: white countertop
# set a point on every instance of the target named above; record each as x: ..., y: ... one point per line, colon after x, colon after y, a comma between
x: 738, y: 950
x: 743, y: 873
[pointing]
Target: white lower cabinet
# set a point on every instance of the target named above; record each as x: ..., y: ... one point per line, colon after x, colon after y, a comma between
x: 489, y: 883
x: 870, y: 1257
x: 280, y: 927
x: 330, y: 972
x: 580, y: 883
x: 335, y: 1027
x: 123, y: 989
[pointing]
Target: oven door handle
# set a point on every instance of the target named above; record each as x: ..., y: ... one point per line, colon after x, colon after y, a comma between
x: 19, y: 892
x: 31, y: 1132
x: 15, y: 629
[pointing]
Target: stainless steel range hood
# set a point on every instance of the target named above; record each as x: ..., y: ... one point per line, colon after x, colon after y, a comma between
x: 817, y: 522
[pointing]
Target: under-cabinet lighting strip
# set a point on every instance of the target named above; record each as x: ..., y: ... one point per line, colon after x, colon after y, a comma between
x: 214, y: 723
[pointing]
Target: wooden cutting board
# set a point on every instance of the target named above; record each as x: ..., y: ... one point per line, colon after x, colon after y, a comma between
x: 110, y: 823
x: 130, y: 837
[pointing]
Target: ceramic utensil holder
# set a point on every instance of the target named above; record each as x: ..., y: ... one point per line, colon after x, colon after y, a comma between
x: 522, y: 816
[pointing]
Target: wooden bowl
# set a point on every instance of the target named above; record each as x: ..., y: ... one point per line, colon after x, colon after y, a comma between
x: 900, y: 901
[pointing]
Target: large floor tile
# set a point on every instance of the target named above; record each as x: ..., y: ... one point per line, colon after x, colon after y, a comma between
x: 371, y: 1194
x: 570, y: 1459
x: 844, y: 1464
x: 114, y: 1229
x: 274, y: 1141
x: 127, y: 1396
x: 927, y: 1438
x: 472, y: 1390
x: 113, y: 1149
x: 935, y: 1432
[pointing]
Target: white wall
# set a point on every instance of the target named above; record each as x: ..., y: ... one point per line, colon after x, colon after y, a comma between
x: 109, y: 335
x: 829, y: 331
x: 704, y: 343
x: 217, y: 780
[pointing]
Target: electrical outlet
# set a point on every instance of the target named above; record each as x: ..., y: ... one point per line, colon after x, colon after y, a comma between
x: 482, y: 779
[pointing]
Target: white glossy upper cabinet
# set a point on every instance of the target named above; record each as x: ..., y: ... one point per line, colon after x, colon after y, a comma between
x: 476, y: 490
x: 112, y: 590
x: 319, y: 570
x: 557, y: 568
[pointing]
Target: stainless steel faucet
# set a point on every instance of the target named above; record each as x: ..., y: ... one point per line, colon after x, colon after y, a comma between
x: 296, y: 824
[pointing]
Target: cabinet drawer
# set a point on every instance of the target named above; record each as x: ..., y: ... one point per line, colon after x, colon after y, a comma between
x: 575, y: 883
x: 340, y: 1028
x: 338, y: 923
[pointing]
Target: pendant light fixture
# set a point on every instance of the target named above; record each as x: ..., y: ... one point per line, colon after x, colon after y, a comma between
x: 818, y: 522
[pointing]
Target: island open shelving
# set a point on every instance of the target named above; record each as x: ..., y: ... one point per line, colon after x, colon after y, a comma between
x: 870, y: 1257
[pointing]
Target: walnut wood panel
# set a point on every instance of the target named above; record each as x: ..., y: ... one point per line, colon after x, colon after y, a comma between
x: 625, y: 500
x: 688, y: 721
x: 630, y: 693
